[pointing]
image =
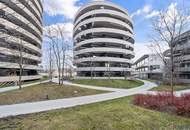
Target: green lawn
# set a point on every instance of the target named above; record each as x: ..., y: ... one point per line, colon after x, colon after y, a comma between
x: 168, y: 87
x: 119, y: 114
x: 111, y: 83
x: 40, y: 92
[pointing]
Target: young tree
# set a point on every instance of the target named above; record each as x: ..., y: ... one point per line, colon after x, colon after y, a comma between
x: 17, y: 50
x: 167, y: 29
x: 50, y: 61
x: 59, y: 46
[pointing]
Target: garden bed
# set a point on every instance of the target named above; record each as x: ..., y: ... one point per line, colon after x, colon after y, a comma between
x: 165, y: 102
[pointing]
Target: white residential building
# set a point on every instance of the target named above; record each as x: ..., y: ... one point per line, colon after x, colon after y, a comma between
x: 103, y: 41
x: 20, y: 26
x: 182, y: 57
x: 149, y: 66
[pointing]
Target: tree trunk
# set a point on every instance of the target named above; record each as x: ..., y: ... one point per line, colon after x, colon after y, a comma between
x: 63, y: 69
x: 50, y: 65
x: 59, y: 75
x: 172, y: 72
x: 20, y: 77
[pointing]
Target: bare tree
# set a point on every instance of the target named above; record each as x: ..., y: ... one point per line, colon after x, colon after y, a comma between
x: 50, y: 61
x: 59, y: 47
x: 17, y: 50
x: 167, y: 29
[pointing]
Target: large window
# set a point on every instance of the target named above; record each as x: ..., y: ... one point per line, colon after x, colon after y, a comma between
x: 154, y: 67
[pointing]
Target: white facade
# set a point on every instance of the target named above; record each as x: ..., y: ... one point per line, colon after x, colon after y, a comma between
x: 149, y: 66
x: 182, y: 57
x: 103, y: 41
x: 20, y: 26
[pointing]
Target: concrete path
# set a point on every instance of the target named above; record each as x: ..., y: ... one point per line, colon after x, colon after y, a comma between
x: 5, y: 89
x: 26, y: 108
x: 146, y: 83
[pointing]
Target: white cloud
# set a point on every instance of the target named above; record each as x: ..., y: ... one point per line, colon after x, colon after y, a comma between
x: 152, y: 14
x: 146, y: 9
x: 98, y: 0
x: 68, y: 29
x: 68, y: 8
x: 141, y: 49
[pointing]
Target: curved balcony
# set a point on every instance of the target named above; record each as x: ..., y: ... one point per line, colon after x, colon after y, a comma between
x: 7, y: 51
x: 104, y: 30
x: 108, y: 12
x: 21, y: 18
x: 97, y: 4
x: 103, y: 59
x: 16, y: 66
x: 104, y: 49
x: 103, y: 69
x: 16, y: 78
x: 102, y: 40
x: 111, y: 21
x: 12, y: 39
x: 9, y: 25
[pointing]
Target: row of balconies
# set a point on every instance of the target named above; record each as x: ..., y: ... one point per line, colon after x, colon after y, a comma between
x: 112, y: 14
x: 38, y: 5
x: 29, y: 4
x: 101, y: 40
x: 16, y: 78
x: 12, y: 39
x: 23, y: 23
x: 22, y: 10
x: 7, y: 51
x: 10, y: 26
x: 83, y: 25
x: 16, y: 66
x: 26, y: 10
x: 104, y: 50
x: 104, y: 30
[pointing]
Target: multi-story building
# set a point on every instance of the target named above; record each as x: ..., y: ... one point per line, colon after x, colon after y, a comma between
x: 149, y: 66
x: 103, y: 41
x: 182, y: 57
x: 20, y: 36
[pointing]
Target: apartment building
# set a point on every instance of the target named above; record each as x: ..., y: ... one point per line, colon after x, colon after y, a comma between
x: 182, y: 57
x: 149, y: 66
x: 103, y: 41
x: 20, y: 35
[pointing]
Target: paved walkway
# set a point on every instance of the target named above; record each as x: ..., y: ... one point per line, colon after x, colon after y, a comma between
x: 5, y: 89
x: 26, y: 108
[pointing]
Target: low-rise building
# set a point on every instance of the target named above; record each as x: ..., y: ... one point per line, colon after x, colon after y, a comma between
x: 149, y: 66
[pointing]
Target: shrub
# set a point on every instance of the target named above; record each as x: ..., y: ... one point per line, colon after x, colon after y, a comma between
x: 165, y: 102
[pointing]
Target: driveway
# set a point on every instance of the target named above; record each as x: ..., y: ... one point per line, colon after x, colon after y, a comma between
x: 26, y: 108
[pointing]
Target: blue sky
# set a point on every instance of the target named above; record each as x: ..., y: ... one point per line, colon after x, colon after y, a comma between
x: 142, y: 11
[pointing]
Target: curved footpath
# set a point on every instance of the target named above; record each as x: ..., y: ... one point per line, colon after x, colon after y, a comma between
x: 34, y: 107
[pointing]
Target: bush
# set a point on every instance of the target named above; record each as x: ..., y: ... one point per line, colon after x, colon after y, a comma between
x: 164, y: 102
